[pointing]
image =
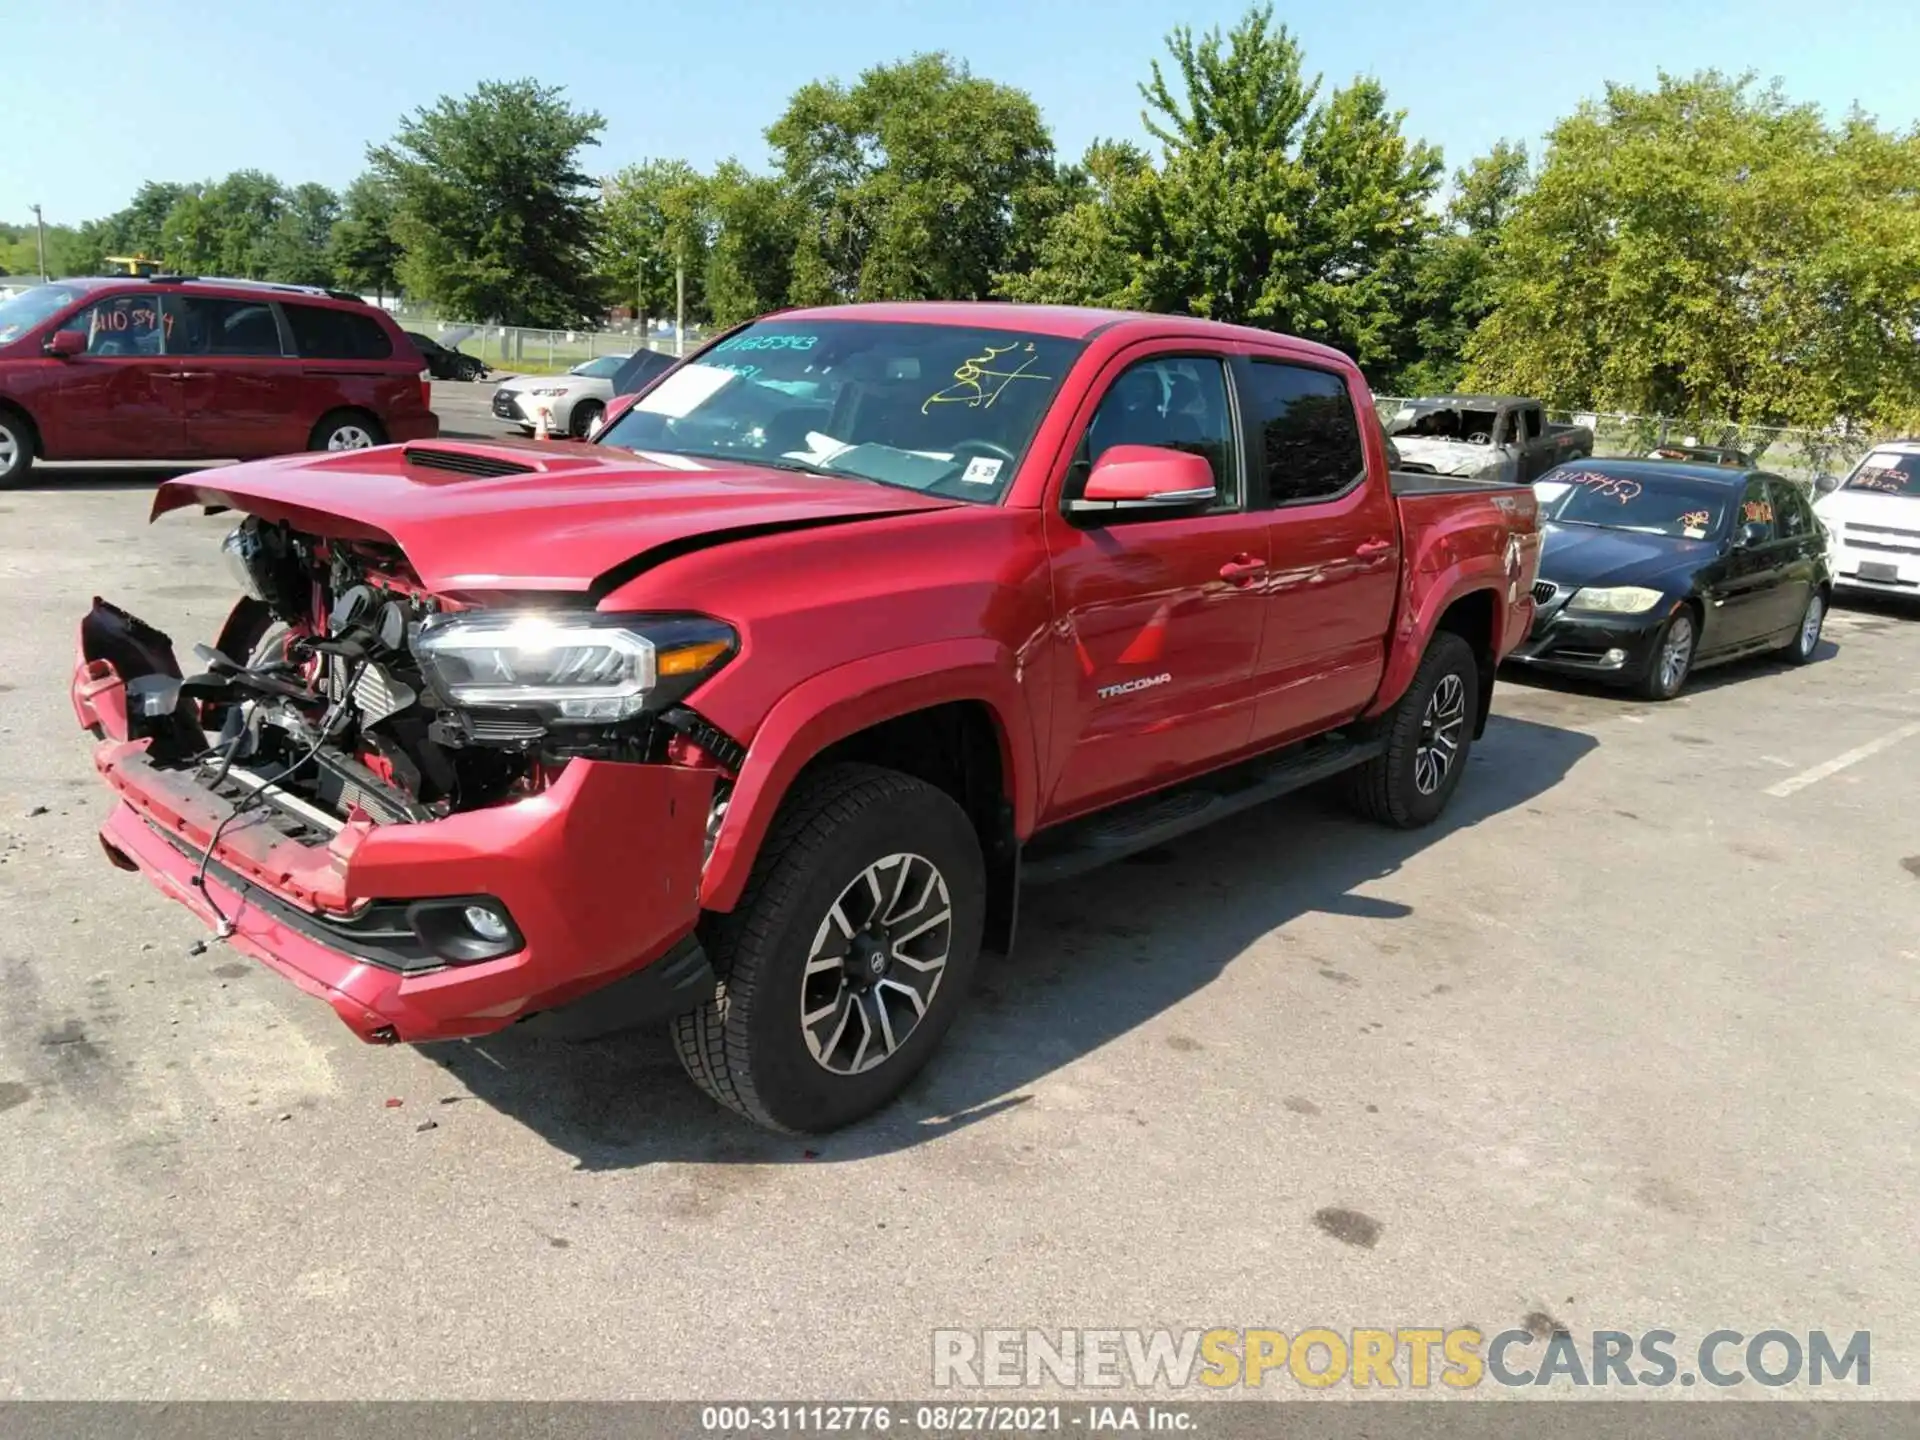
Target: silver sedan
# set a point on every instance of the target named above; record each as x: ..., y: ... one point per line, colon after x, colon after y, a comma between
x: 573, y: 401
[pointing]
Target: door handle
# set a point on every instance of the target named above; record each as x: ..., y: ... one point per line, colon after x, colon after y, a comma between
x: 1242, y: 570
x: 1367, y: 549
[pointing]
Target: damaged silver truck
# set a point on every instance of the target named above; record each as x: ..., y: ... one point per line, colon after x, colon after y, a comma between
x: 1500, y: 438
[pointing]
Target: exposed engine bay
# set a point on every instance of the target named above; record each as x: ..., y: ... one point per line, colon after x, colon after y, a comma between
x: 341, y: 686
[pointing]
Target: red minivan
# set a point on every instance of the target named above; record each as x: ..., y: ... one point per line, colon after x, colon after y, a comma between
x: 179, y: 368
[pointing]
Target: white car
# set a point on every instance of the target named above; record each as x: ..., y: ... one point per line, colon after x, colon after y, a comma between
x: 573, y: 401
x: 1873, y: 521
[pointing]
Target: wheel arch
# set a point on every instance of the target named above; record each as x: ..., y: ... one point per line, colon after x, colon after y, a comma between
x: 12, y: 407
x: 950, y: 713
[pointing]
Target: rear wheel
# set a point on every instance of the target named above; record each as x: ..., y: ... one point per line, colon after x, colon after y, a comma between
x: 1428, y: 738
x: 1672, y: 658
x: 346, y: 430
x: 17, y: 443
x: 1806, y: 640
x: 848, y: 956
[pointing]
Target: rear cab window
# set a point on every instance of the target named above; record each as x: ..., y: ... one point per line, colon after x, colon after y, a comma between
x: 324, y: 333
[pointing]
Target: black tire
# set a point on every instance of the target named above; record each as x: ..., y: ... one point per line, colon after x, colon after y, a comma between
x: 467, y: 368
x: 18, y: 444
x: 1398, y: 787
x: 1805, y: 643
x: 580, y: 422
x: 745, y: 1046
x: 343, y: 425
x: 1661, y: 681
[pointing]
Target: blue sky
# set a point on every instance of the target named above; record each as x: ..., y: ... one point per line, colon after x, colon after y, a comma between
x: 101, y: 96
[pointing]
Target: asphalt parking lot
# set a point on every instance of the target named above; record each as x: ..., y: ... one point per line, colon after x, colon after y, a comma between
x: 1626, y: 1041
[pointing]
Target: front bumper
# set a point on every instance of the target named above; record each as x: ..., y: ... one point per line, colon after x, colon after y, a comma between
x: 1890, y: 565
x: 600, y: 873
x: 1581, y: 644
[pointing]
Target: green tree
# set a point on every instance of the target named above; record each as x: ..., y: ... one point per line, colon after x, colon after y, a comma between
x: 1706, y: 248
x: 654, y: 219
x: 226, y: 228
x: 363, y: 253
x: 1272, y: 206
x: 1452, y: 287
x: 1275, y: 207
x: 493, y: 214
x: 910, y: 180
x: 755, y: 228
x: 1085, y: 253
x: 298, y: 246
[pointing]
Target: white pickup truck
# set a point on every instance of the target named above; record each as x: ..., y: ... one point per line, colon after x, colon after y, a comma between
x: 1873, y: 521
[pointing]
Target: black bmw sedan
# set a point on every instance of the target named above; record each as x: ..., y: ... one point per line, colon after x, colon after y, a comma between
x: 1651, y: 569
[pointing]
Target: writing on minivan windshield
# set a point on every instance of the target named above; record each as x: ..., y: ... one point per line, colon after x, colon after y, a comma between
x: 943, y: 409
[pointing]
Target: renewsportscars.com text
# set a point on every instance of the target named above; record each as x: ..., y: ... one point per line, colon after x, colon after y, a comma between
x: 1418, y: 1358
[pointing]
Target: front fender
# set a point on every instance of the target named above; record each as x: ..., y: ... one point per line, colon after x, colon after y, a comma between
x: 846, y: 700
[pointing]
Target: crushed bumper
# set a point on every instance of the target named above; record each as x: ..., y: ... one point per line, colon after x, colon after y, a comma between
x: 600, y: 874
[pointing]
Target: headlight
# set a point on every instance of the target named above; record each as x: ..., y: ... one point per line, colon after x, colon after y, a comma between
x: 239, y: 548
x: 571, y: 669
x: 1615, y: 600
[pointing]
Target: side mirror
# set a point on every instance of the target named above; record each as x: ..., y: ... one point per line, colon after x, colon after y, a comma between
x: 1754, y: 532
x: 616, y: 407
x: 1825, y: 484
x: 65, y: 344
x: 1146, y: 477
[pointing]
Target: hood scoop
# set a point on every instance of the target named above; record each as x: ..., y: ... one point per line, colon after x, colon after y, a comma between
x: 464, y: 462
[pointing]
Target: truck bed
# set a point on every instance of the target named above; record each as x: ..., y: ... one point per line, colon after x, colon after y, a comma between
x: 1418, y: 482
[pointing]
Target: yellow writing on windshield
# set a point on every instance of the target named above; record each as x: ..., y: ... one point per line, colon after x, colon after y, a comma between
x: 979, y: 380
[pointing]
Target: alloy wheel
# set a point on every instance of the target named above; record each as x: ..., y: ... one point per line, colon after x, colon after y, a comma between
x: 876, y: 963
x: 1809, y: 627
x: 1676, y: 653
x: 9, y: 449
x: 1439, y: 742
x: 349, y: 437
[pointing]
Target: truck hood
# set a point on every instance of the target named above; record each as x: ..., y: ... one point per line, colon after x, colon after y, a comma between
x: 1447, y: 457
x: 1868, y: 507
x: 477, y: 518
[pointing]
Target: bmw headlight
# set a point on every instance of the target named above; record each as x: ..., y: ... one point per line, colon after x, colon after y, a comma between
x: 1615, y: 600
x: 569, y: 668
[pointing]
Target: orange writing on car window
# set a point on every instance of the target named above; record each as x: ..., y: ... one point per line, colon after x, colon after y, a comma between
x: 1696, y: 519
x: 1878, y: 479
x: 1758, y: 510
x: 978, y: 380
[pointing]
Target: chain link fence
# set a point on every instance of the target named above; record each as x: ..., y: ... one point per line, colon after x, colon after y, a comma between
x: 1796, y: 453
x: 510, y: 349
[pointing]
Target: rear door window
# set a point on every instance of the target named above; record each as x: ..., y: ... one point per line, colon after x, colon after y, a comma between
x: 322, y: 333
x: 1791, y: 512
x: 1310, y: 437
x: 210, y: 325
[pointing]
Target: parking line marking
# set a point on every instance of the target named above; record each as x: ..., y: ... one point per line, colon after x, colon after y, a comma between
x: 1840, y: 762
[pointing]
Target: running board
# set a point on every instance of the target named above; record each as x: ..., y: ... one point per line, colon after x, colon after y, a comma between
x: 1082, y: 845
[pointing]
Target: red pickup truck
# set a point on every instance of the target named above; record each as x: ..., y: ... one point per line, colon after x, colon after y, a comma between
x: 756, y: 713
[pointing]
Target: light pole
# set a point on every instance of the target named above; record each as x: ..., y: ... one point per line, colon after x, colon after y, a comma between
x: 40, y: 237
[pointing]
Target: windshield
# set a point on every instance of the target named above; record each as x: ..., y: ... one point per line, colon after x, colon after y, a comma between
x: 605, y: 368
x: 1887, y: 472
x: 30, y: 307
x: 1633, y: 500
x: 942, y: 408
x: 1443, y: 422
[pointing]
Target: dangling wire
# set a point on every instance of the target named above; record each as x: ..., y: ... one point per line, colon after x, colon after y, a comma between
x: 224, y: 929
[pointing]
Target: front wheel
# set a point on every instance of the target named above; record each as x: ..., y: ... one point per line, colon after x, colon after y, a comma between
x: 1806, y: 640
x: 1428, y: 738
x: 584, y: 419
x: 847, y: 958
x: 1672, y: 661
